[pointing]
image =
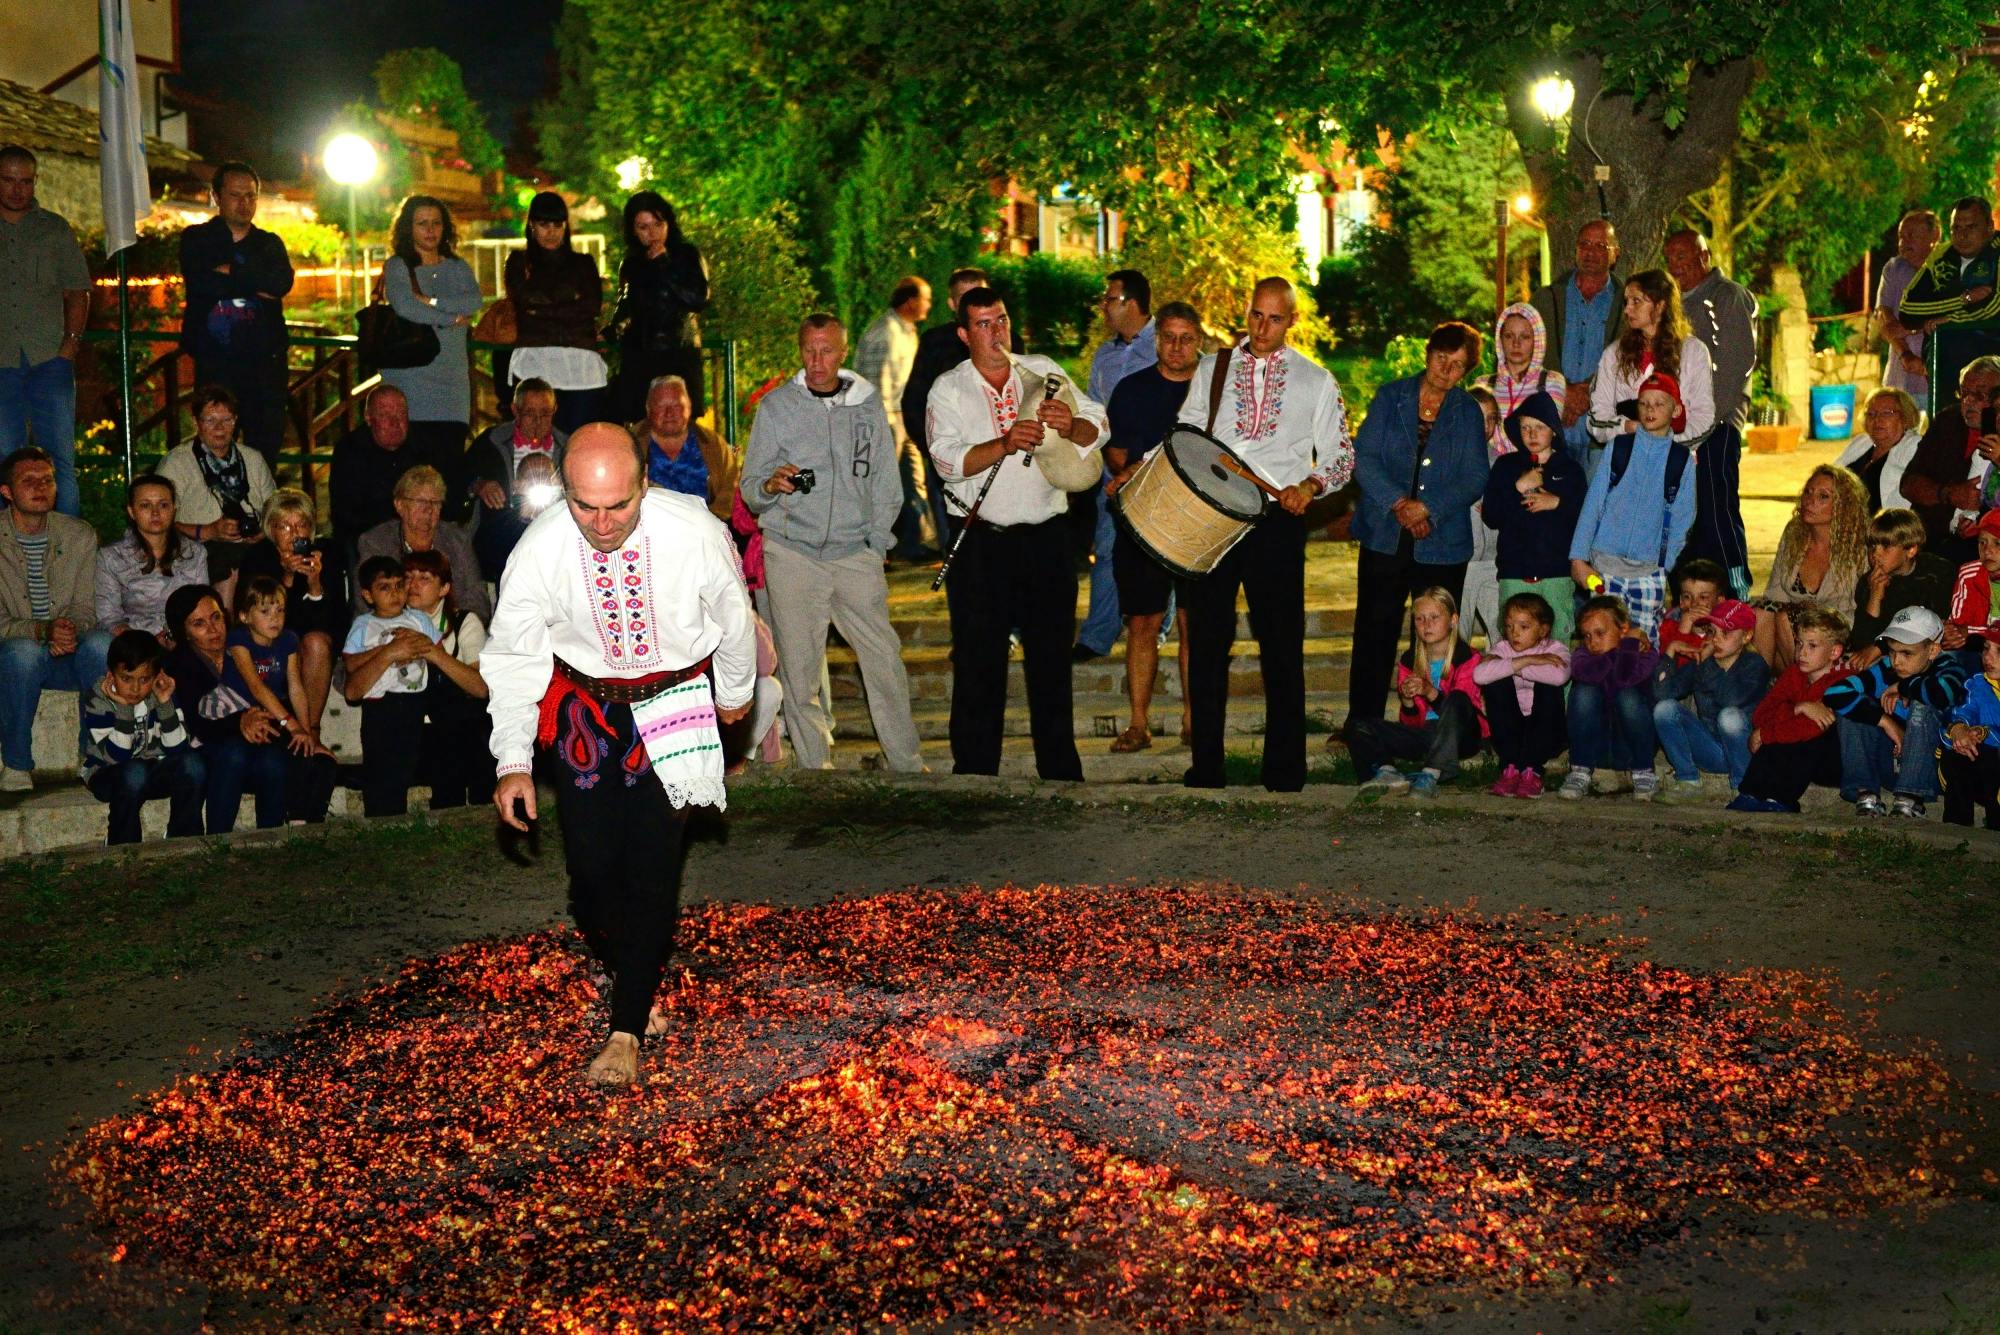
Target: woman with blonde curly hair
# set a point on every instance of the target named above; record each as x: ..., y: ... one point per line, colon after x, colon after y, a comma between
x: 1821, y: 557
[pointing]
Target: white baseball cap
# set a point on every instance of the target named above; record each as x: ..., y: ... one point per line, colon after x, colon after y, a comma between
x: 1914, y: 625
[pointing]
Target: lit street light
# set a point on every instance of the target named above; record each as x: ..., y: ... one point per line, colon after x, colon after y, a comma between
x: 1552, y: 95
x: 351, y: 161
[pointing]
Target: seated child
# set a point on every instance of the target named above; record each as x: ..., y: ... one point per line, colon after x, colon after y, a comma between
x: 1521, y: 678
x: 1793, y: 743
x: 1900, y: 574
x: 1892, y: 714
x: 1970, y: 760
x: 387, y: 655
x: 1972, y: 603
x: 1698, y: 585
x: 262, y: 664
x: 1442, y: 719
x: 136, y: 746
x: 1702, y: 706
x: 1533, y: 497
x: 1639, y: 508
x: 1610, y: 704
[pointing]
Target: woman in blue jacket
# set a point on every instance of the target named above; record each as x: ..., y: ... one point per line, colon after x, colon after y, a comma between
x: 1420, y: 459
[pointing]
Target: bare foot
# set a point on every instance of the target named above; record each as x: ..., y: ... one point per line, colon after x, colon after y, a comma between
x: 617, y: 1064
x: 656, y: 1023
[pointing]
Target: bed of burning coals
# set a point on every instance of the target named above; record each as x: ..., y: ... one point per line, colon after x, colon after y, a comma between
x: 1160, y: 1106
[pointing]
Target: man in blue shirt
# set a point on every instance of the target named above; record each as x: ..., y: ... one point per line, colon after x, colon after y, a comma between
x: 1127, y: 304
x: 1583, y: 312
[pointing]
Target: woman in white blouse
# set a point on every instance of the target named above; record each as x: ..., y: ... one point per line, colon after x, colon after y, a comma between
x: 1890, y: 429
x: 1656, y: 338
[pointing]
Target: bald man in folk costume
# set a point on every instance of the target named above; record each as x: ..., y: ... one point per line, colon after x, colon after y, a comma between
x: 622, y: 638
x: 1282, y: 414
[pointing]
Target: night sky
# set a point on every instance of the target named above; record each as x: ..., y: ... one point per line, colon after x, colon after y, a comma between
x: 293, y: 63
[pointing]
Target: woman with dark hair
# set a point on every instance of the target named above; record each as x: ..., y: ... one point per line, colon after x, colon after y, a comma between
x: 1657, y: 337
x: 138, y: 573
x: 1421, y: 461
x: 219, y: 486
x: 242, y: 746
x: 662, y: 288
x: 426, y: 283
x: 557, y: 294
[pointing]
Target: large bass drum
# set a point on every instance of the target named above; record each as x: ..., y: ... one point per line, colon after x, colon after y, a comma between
x: 1184, y: 507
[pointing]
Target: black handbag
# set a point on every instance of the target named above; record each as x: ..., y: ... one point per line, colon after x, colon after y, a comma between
x: 385, y: 341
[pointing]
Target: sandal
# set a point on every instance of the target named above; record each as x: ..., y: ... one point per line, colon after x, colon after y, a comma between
x: 1130, y: 740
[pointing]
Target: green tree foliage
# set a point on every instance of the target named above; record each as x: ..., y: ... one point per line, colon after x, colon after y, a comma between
x: 761, y: 290
x: 898, y: 211
x: 424, y: 84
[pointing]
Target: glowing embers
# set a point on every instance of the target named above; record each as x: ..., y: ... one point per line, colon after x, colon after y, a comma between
x: 1154, y: 1105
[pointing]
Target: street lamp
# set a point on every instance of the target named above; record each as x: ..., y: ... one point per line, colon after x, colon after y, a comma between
x: 1552, y: 95
x: 632, y: 171
x: 351, y: 161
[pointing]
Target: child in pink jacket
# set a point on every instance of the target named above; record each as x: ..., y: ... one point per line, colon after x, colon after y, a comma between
x: 1443, y: 718
x: 1521, y: 679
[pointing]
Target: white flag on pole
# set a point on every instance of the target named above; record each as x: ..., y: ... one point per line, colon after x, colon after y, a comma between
x: 121, y: 157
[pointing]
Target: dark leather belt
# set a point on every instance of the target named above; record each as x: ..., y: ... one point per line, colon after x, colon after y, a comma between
x: 628, y: 690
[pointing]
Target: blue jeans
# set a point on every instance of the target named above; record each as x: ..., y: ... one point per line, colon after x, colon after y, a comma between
x: 27, y: 668
x: 1610, y: 729
x: 1696, y: 746
x: 236, y: 766
x: 39, y: 402
x: 1100, y: 627
x: 1868, y: 760
x: 128, y: 786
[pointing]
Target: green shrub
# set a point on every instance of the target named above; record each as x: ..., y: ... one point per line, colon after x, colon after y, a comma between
x: 759, y: 288
x: 1052, y: 301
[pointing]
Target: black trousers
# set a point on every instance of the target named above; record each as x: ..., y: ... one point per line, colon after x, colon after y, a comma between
x: 127, y: 786
x: 1380, y: 614
x: 1782, y: 771
x: 1526, y: 741
x: 1718, y: 518
x: 392, y: 731
x: 1021, y: 578
x: 1450, y: 735
x: 1269, y: 565
x: 1970, y: 783
x: 455, y: 759
x: 622, y: 846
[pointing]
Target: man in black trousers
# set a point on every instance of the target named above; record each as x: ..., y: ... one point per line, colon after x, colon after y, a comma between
x: 236, y: 276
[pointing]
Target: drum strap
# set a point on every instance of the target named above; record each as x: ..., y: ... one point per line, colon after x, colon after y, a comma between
x: 1215, y: 385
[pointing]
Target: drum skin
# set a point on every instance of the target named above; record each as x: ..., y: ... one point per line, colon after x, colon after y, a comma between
x: 1184, y: 508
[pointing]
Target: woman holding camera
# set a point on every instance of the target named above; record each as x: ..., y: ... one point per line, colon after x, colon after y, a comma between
x: 220, y: 487
x: 308, y: 568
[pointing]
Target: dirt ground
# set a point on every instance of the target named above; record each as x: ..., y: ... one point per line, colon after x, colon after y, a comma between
x: 122, y: 971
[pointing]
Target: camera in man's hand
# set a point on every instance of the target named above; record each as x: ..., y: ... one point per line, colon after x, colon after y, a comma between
x: 804, y: 481
x: 247, y: 526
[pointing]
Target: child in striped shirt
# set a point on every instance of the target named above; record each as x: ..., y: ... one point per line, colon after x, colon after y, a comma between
x: 137, y: 746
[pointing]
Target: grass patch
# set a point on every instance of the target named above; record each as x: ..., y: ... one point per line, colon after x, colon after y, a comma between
x: 1953, y: 881
x: 79, y: 925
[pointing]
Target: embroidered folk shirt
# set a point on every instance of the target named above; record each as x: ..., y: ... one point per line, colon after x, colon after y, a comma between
x: 1282, y: 413
x: 670, y: 596
x: 966, y: 411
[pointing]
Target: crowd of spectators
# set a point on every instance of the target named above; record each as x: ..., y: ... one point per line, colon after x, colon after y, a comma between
x: 1574, y: 513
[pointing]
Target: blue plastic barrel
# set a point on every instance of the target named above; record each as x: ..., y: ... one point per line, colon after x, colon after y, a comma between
x: 1832, y: 412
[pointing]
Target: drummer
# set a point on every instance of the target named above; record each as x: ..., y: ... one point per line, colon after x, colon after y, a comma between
x: 1142, y: 410
x: 1282, y: 413
x: 1014, y: 571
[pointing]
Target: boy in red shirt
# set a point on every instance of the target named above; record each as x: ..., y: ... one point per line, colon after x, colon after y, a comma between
x: 1972, y: 603
x: 1698, y: 585
x: 1793, y: 742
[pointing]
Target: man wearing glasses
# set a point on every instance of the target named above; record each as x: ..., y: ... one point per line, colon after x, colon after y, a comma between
x: 821, y: 476
x: 1942, y: 483
x: 1013, y: 571
x: 1127, y: 307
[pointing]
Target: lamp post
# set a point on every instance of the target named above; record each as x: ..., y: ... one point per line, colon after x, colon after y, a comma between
x: 351, y: 161
x: 1552, y: 96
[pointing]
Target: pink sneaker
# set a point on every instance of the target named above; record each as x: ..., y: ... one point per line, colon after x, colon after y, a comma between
x: 1529, y: 784
x: 1504, y: 786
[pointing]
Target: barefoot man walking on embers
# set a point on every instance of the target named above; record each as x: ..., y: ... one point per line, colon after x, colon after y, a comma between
x: 613, y: 611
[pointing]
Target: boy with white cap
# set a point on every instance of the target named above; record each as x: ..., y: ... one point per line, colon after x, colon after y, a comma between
x: 1892, y: 714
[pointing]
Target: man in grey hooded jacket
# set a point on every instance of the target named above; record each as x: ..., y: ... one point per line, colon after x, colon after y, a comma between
x: 825, y: 540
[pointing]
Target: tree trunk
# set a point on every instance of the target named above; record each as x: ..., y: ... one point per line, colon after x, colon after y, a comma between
x: 1653, y: 168
x: 1721, y: 213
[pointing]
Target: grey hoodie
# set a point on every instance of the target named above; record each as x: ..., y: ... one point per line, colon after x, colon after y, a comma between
x: 845, y: 441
